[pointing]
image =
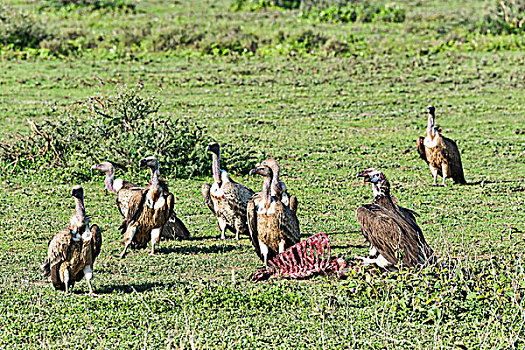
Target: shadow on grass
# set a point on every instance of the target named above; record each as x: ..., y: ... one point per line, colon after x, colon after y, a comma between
x: 134, y: 287
x: 213, y: 249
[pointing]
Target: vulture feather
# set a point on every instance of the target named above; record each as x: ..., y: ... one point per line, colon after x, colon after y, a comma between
x: 72, y: 251
x: 273, y: 226
x: 148, y: 211
x: 391, y: 230
x: 226, y: 198
x: 124, y: 190
x: 440, y: 153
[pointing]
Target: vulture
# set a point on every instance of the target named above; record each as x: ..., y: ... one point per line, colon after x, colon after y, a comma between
x: 226, y: 198
x: 124, y: 190
x: 148, y: 211
x: 73, y: 250
x: 391, y: 230
x: 440, y: 153
x: 278, y: 188
x: 273, y: 226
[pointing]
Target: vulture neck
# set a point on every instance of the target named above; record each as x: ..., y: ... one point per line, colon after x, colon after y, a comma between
x: 215, y: 167
x: 431, y: 129
x: 382, y: 194
x: 110, y: 177
x: 276, y: 186
x: 155, y: 178
x: 80, y: 210
x: 266, y: 190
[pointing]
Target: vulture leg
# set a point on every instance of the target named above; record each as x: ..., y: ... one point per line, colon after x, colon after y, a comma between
x: 281, y: 246
x: 222, y: 226
x: 434, y: 172
x: 129, y: 238
x: 444, y: 170
x: 88, y: 273
x: 379, y: 261
x: 155, y: 234
x: 264, y: 252
x: 66, y: 279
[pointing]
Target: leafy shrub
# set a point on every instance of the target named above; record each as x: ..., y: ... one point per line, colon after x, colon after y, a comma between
x: 353, y: 12
x: 507, y: 16
x: 104, y: 5
x: 122, y: 129
x: 227, y: 41
x: 254, y: 5
x: 20, y: 29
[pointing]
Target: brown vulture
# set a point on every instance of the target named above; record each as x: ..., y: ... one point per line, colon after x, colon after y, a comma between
x: 73, y: 250
x: 124, y: 190
x: 391, y: 230
x: 149, y: 210
x: 226, y: 198
x: 279, y: 188
x: 440, y: 153
x: 273, y: 226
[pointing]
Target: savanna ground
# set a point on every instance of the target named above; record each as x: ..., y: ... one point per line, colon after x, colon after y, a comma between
x: 327, y: 98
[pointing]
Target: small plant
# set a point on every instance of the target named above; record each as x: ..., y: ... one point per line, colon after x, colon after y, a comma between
x: 507, y: 16
x: 94, y: 5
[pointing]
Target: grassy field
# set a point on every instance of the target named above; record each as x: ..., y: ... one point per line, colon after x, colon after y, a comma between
x: 324, y: 114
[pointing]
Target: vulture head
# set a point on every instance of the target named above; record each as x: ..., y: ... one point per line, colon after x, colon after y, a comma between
x: 263, y: 170
x: 272, y: 163
x: 106, y: 168
x: 379, y: 182
x: 213, y: 147
x: 78, y: 192
x: 149, y: 162
x: 431, y: 109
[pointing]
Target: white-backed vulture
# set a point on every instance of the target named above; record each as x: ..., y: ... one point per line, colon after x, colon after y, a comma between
x: 123, y: 191
x: 273, y: 226
x: 149, y: 210
x: 73, y: 250
x: 226, y: 198
x: 279, y: 188
x: 391, y: 230
x: 440, y: 153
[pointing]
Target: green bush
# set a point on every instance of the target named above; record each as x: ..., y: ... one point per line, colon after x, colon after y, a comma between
x: 352, y: 12
x: 20, y: 30
x: 94, y: 5
x: 122, y: 129
x: 506, y: 17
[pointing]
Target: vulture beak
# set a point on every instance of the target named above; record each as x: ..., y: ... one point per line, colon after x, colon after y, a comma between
x: 143, y: 163
x: 77, y: 192
x: 364, y: 175
x: 253, y: 171
x: 208, y: 148
x: 95, y: 167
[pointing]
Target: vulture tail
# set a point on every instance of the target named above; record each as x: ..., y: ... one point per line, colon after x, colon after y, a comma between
x: 46, y: 268
x: 421, y: 148
x: 174, y: 229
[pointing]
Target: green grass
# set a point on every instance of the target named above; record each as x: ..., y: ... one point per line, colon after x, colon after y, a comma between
x: 324, y: 119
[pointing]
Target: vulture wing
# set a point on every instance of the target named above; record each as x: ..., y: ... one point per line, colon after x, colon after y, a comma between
x: 251, y: 213
x: 392, y: 236
x: 124, y: 195
x: 58, y: 251
x: 288, y: 224
x: 421, y: 148
x: 454, y: 160
x: 206, y: 188
x: 237, y: 196
x: 97, y: 240
x: 136, y: 204
x: 174, y: 228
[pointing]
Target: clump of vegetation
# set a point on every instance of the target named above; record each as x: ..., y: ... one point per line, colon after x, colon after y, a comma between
x: 507, y: 16
x: 20, y: 30
x: 353, y: 12
x: 229, y: 40
x: 122, y: 128
x: 94, y: 5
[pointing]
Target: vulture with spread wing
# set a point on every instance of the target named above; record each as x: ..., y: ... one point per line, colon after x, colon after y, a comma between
x: 124, y: 190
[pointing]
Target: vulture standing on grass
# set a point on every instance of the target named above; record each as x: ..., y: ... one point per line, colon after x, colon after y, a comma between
x: 73, y: 250
x: 278, y: 188
x: 124, y: 190
x: 149, y: 210
x: 440, y: 153
x: 391, y: 230
x: 273, y: 226
x: 226, y: 199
